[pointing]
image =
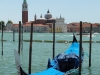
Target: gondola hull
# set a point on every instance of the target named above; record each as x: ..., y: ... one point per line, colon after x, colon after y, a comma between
x: 61, y: 64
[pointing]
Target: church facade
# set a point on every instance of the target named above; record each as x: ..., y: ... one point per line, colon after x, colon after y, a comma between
x: 40, y: 25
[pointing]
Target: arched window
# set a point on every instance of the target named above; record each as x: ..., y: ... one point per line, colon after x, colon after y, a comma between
x: 25, y: 6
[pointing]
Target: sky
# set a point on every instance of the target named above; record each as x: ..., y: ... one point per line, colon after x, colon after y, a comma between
x: 71, y: 10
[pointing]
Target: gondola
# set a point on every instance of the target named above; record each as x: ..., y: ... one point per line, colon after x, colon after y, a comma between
x: 66, y: 63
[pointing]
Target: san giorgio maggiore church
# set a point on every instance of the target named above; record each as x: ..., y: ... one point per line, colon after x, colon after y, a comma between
x: 40, y: 25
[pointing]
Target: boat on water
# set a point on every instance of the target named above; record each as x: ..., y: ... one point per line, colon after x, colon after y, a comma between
x: 85, y: 33
x: 7, y: 31
x: 96, y: 33
x: 66, y: 63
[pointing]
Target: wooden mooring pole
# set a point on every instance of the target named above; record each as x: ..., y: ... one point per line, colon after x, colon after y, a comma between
x: 80, y: 48
x: 2, y: 37
x: 30, y: 50
x: 90, y: 45
x: 19, y: 37
x: 53, y: 40
x: 13, y: 35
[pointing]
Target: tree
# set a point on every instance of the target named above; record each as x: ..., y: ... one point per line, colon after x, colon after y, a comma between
x: 9, y: 21
x: 2, y: 23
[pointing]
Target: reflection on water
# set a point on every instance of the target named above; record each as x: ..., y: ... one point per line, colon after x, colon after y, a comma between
x: 90, y: 71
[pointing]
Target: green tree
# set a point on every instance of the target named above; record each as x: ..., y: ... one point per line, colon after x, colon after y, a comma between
x: 2, y: 23
x: 9, y: 21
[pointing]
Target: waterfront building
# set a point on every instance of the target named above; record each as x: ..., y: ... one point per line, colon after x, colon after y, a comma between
x: 75, y: 27
x: 42, y: 24
x: 37, y: 28
x: 24, y: 12
x: 60, y: 25
x: 9, y: 26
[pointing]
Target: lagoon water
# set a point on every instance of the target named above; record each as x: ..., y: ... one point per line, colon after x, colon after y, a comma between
x: 41, y: 51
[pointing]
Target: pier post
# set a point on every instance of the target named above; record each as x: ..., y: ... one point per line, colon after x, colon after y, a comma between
x: 2, y: 36
x: 13, y: 35
x: 80, y: 48
x: 30, y: 50
x: 90, y: 45
x: 19, y: 37
x: 53, y: 39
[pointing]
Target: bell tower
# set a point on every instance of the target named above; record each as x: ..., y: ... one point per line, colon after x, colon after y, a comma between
x: 24, y: 11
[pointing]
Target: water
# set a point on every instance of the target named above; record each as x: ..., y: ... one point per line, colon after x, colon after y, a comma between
x: 42, y: 51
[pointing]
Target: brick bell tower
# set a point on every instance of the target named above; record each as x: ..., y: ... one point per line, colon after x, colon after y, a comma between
x: 24, y: 12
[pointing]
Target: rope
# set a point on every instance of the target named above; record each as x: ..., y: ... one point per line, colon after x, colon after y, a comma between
x: 72, y: 72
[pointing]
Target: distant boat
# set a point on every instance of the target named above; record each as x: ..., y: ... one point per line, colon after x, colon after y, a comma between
x: 85, y: 33
x: 92, y: 35
x: 7, y: 31
x: 96, y: 33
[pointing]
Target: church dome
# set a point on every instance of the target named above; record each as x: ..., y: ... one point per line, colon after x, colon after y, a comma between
x: 48, y: 15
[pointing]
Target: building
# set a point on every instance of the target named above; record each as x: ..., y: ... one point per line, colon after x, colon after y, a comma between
x: 75, y: 27
x: 60, y: 25
x: 37, y: 28
x: 42, y: 24
x: 9, y: 26
x: 24, y: 12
